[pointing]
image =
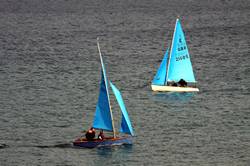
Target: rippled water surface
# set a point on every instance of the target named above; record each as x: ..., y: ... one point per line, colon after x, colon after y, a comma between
x: 50, y: 73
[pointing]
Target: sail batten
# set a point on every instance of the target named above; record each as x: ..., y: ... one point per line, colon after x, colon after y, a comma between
x: 160, y: 77
x: 126, y: 126
x: 179, y: 66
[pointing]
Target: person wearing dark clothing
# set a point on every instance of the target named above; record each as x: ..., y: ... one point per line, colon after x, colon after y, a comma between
x: 182, y: 83
x: 90, y: 134
x: 101, y: 135
x: 172, y: 83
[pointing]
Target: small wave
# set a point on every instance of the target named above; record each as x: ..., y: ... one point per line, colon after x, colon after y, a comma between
x: 2, y: 146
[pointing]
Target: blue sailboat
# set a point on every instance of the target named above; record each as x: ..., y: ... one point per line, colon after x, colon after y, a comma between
x: 103, y: 119
x: 175, y: 73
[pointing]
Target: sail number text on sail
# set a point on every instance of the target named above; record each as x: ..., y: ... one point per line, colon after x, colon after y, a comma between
x: 182, y: 57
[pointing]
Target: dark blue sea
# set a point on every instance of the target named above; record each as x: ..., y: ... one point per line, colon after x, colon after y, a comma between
x: 50, y: 74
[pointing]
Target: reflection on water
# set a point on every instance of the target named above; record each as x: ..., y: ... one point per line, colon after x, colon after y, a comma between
x: 107, y: 153
x: 171, y: 97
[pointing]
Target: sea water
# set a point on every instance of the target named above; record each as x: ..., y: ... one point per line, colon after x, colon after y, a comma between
x: 50, y: 74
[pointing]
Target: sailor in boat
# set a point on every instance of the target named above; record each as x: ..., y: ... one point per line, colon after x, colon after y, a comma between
x: 90, y: 134
x: 172, y: 83
x: 101, y: 135
x: 182, y: 83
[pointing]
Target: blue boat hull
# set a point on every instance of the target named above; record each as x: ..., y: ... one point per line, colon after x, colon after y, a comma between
x: 82, y: 142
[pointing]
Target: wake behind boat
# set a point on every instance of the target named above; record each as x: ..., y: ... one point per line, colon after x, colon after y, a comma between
x: 175, y: 73
x: 103, y: 119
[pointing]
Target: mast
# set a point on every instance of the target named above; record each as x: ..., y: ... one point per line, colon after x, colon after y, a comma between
x: 171, y: 49
x: 111, y: 114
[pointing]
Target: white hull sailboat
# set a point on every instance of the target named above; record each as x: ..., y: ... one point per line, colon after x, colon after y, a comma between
x: 175, y: 73
x: 160, y: 88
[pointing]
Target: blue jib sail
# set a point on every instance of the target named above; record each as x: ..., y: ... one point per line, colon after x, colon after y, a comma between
x: 102, y: 118
x: 180, y: 66
x: 126, y: 126
x: 160, y: 77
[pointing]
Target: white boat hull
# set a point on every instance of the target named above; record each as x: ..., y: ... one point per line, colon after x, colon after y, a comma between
x: 173, y: 89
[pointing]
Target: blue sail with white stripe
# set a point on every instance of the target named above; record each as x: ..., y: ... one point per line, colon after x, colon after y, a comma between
x: 160, y: 77
x: 126, y: 126
x: 180, y: 66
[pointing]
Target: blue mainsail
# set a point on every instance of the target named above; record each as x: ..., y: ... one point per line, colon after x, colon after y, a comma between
x: 160, y: 77
x: 126, y: 126
x: 102, y: 118
x: 180, y: 66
